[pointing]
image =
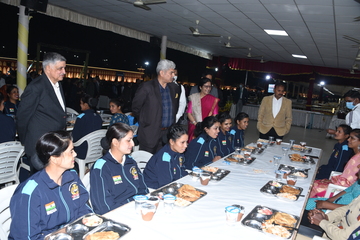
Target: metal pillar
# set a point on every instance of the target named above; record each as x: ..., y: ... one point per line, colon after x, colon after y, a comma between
x: 163, y: 47
x: 22, y: 51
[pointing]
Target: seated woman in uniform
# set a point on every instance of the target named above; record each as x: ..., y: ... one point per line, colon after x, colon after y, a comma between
x: 116, y: 107
x: 167, y: 165
x: 7, y: 126
x: 225, y: 136
x: 11, y: 105
x: 88, y: 121
x: 242, y: 122
x: 340, y: 155
x: 52, y: 197
x: 204, y: 148
x: 115, y: 178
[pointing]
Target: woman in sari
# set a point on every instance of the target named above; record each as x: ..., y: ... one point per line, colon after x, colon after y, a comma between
x: 348, y: 177
x: 201, y: 105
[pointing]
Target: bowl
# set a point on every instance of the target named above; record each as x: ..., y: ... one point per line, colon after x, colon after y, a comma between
x: 253, y: 224
x: 78, y: 229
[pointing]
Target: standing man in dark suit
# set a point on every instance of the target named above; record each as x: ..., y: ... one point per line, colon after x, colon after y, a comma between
x: 42, y: 106
x: 155, y: 104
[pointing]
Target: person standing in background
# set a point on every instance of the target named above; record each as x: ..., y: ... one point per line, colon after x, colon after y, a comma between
x: 275, y: 114
x: 182, y: 100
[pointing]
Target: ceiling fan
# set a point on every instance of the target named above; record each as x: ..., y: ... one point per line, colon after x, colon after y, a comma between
x: 251, y: 56
x: 262, y: 60
x: 143, y: 3
x: 228, y: 45
x: 195, y: 32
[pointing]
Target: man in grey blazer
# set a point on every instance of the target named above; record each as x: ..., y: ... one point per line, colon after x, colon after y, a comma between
x: 275, y: 114
x: 42, y: 106
x: 155, y: 105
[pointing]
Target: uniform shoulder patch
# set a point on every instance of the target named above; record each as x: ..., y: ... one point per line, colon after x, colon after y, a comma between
x: 201, y: 140
x: 29, y: 187
x: 81, y: 115
x: 345, y: 147
x: 232, y: 132
x: 99, y: 163
x: 166, y: 157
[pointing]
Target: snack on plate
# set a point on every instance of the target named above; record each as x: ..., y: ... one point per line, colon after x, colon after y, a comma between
x: 275, y: 184
x: 230, y: 159
x: 276, y: 230
x: 287, y: 195
x: 265, y: 211
x: 288, y: 189
x: 189, y: 193
x: 262, y: 140
x: 250, y: 147
x: 210, y: 169
x: 299, y: 174
x: 238, y: 156
x: 297, y: 157
x: 282, y: 219
x: 297, y: 147
x: 182, y: 203
x: 107, y: 235
x: 92, y: 221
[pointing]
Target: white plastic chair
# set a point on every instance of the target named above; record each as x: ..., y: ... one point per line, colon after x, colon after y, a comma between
x: 333, y: 190
x: 86, y: 182
x: 334, y: 173
x: 5, y: 216
x: 10, y: 153
x: 70, y: 110
x: 318, y: 238
x: 94, y: 150
x: 141, y: 157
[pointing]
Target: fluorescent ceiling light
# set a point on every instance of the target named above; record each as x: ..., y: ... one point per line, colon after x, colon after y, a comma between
x: 299, y: 56
x: 276, y: 32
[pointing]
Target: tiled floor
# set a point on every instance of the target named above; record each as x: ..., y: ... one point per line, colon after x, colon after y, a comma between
x: 312, y: 137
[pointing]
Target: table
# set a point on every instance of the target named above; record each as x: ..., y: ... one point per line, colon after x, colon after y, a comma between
x: 205, y: 219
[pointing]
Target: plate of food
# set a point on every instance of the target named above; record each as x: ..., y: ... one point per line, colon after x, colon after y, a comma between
x: 91, y: 227
x: 300, y: 148
x: 281, y: 190
x: 301, y: 173
x: 295, y: 157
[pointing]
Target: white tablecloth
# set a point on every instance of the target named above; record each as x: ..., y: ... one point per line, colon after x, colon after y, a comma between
x: 205, y: 219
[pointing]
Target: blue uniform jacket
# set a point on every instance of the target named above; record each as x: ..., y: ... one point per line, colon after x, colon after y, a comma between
x: 39, y: 206
x: 238, y: 140
x: 113, y: 185
x: 7, y: 128
x: 225, y: 142
x: 164, y: 167
x: 10, y: 109
x: 337, y: 161
x: 87, y: 122
x: 201, y: 151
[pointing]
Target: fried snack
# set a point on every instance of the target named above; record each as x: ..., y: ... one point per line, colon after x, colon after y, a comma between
x: 250, y: 147
x: 276, y: 230
x: 288, y: 189
x: 182, y: 203
x: 188, y: 193
x: 210, y: 169
x: 230, y: 159
x: 297, y: 157
x: 282, y: 219
x: 287, y: 195
x: 107, y: 235
x: 299, y: 174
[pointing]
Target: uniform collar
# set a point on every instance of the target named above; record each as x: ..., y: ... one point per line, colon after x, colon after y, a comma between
x: 66, y: 177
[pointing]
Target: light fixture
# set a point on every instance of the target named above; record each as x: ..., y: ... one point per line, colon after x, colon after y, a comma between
x: 267, y: 77
x: 276, y: 32
x: 216, y: 69
x: 299, y: 56
x: 322, y: 83
x: 146, y: 63
x: 355, y: 66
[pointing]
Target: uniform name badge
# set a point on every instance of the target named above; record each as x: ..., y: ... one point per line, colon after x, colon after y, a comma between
x: 117, y: 179
x: 74, y: 190
x: 206, y: 153
x: 223, y: 142
x: 134, y: 173
x: 50, y: 208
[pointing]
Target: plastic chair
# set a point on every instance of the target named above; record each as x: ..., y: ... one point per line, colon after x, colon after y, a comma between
x: 86, y: 182
x: 10, y: 153
x: 70, y: 110
x: 141, y: 157
x: 334, y: 173
x: 94, y: 150
x: 5, y: 216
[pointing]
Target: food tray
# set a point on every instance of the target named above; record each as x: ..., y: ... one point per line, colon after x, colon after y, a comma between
x: 255, y: 219
x: 298, y: 148
x: 78, y: 231
x: 259, y: 151
x: 303, y: 159
x: 173, y: 189
x: 249, y: 148
x: 272, y: 188
x: 298, y: 172
x: 242, y: 161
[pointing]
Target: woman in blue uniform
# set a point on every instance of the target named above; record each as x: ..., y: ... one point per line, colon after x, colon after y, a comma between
x: 115, y: 178
x: 225, y: 137
x: 204, y: 149
x: 167, y: 165
x: 116, y: 106
x: 242, y: 122
x: 88, y: 121
x: 11, y: 105
x: 340, y: 155
x: 52, y: 197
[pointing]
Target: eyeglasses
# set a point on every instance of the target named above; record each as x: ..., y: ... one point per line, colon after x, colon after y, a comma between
x: 207, y: 86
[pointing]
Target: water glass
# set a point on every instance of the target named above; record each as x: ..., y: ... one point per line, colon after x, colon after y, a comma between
x: 292, y: 142
x: 237, y: 150
x: 271, y: 139
x: 285, y: 150
x: 276, y: 160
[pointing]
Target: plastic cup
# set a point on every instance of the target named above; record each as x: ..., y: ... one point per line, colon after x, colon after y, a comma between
x: 169, y: 201
x: 276, y: 161
x: 139, y: 199
x: 205, y: 178
x: 271, y: 139
x: 247, y: 153
x: 285, y: 150
x: 153, y: 200
x: 231, y: 215
x: 147, y: 211
x: 278, y: 141
x: 292, y: 142
x: 303, y: 144
x: 237, y: 150
x: 278, y: 175
x: 259, y: 144
x: 291, y: 180
x: 241, y: 213
x: 196, y: 174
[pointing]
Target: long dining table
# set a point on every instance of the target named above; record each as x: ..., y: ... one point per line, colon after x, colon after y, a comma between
x: 205, y: 218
